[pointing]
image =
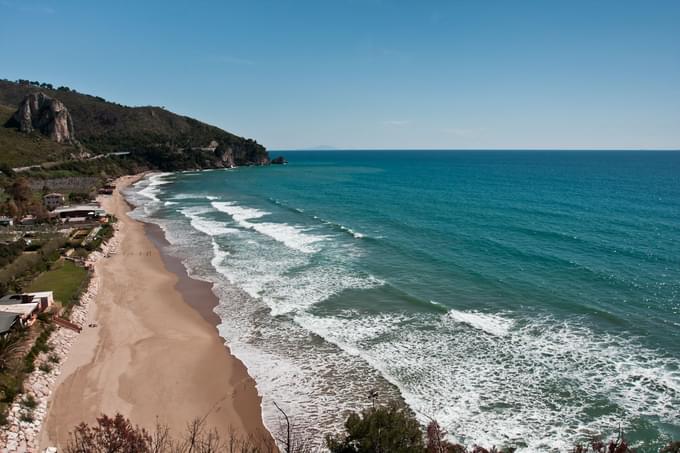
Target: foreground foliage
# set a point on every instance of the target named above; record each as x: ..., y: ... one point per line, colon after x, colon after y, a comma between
x: 380, y: 429
x: 118, y: 435
x: 384, y: 429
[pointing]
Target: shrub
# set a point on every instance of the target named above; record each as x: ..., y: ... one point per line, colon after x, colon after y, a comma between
x: 118, y: 435
x: 9, y: 345
x: 45, y: 367
x: 27, y: 416
x: 597, y: 446
x: 379, y: 429
x: 54, y: 358
x: 10, y: 387
x: 29, y: 402
x: 111, y: 435
x: 3, y: 414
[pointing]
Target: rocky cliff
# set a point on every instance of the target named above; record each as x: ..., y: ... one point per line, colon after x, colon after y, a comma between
x: 49, y: 116
x: 151, y: 136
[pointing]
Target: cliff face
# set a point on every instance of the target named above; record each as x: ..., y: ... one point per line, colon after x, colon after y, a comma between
x: 245, y: 153
x: 47, y: 115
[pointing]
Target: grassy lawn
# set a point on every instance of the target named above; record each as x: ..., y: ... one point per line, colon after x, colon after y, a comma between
x: 65, y: 279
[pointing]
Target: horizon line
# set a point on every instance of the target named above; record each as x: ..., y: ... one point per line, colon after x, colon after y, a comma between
x: 481, y: 149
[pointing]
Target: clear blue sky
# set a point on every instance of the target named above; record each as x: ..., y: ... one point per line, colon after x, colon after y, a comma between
x: 371, y: 73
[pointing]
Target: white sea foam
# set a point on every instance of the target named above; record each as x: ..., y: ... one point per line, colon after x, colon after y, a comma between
x: 264, y: 273
x: 183, y: 196
x: 151, y: 190
x: 294, y: 237
x: 239, y: 213
x: 481, y: 387
x: 356, y: 235
x: 207, y: 226
x: 489, y: 323
x: 482, y: 375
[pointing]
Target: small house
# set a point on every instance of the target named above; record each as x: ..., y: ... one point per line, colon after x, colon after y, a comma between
x: 23, y: 309
x: 26, y: 313
x: 53, y: 200
x: 43, y: 299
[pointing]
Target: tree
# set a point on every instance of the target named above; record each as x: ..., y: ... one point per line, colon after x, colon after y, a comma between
x: 10, y: 209
x: 6, y: 170
x: 383, y: 429
x: 110, y: 435
x: 20, y: 191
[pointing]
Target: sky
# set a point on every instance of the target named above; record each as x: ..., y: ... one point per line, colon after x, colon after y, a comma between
x: 371, y: 74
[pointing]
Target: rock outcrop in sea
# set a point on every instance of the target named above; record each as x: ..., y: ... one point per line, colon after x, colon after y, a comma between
x: 49, y: 116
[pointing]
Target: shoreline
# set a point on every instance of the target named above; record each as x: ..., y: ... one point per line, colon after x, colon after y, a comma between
x: 155, y: 355
x: 192, y: 289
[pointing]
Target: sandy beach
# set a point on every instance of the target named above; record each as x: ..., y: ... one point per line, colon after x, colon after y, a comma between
x: 153, y: 356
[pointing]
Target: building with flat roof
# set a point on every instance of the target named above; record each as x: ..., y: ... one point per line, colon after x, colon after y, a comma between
x: 23, y: 308
x: 87, y: 211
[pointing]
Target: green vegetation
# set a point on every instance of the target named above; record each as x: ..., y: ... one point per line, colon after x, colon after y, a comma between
x: 104, y: 234
x: 9, y: 346
x: 9, y: 252
x: 39, y: 346
x: 155, y: 137
x: 19, y: 149
x: 29, y: 402
x: 14, y: 367
x: 380, y: 429
x: 65, y: 279
x: 385, y: 429
x: 20, y: 199
x: 27, y: 416
x: 14, y: 275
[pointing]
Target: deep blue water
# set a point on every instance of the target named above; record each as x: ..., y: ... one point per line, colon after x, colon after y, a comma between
x: 527, y: 298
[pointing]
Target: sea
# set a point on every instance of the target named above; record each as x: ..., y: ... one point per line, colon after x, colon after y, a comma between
x: 519, y: 298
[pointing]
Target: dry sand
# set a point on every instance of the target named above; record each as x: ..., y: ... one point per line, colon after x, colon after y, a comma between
x: 152, y: 356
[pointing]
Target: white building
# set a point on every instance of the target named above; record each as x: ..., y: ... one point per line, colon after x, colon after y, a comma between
x: 23, y: 308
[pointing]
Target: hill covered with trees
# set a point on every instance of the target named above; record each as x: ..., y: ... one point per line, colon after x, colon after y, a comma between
x: 155, y: 138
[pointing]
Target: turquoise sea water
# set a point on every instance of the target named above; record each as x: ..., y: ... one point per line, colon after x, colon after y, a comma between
x: 524, y: 298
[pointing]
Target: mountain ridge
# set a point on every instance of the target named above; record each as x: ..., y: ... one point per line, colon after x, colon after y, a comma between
x: 154, y: 136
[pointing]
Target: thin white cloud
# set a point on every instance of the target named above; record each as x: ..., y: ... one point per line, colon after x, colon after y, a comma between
x: 396, y: 122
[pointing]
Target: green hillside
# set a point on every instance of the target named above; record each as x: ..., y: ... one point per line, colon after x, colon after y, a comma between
x: 153, y: 135
x: 19, y: 149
